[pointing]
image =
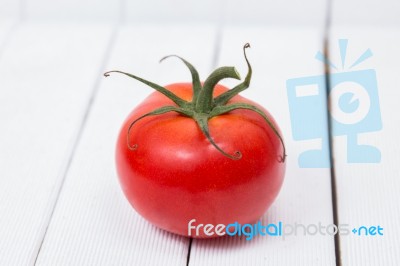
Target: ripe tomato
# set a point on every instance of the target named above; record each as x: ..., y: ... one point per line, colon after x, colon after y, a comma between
x: 220, y: 163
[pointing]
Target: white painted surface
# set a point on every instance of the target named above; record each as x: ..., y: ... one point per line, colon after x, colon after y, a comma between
x: 10, y: 9
x: 233, y: 12
x: 72, y: 10
x: 368, y: 194
x: 251, y: 12
x: 6, y: 28
x: 47, y: 75
x: 365, y: 13
x: 93, y: 223
x: 177, y: 11
x: 48, y: 72
x: 311, y: 13
x: 278, y: 54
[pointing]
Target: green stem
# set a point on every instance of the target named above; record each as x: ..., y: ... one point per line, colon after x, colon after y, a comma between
x: 225, y: 97
x: 159, y: 111
x: 195, y: 76
x: 204, y: 106
x: 220, y: 110
x: 202, y: 121
x: 205, y: 103
x: 180, y: 102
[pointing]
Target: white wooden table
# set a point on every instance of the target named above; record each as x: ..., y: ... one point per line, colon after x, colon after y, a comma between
x: 60, y: 201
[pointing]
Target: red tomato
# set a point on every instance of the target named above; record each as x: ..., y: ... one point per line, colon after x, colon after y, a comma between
x: 171, y: 173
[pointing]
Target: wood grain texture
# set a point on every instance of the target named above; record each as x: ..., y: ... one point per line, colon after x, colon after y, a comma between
x: 93, y: 223
x: 368, y: 194
x: 278, y: 54
x: 42, y: 100
x: 55, y: 158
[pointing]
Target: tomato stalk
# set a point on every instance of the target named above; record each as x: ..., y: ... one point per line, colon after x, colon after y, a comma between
x: 203, y: 105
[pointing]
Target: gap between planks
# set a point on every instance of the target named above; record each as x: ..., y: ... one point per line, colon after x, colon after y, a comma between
x: 334, y: 196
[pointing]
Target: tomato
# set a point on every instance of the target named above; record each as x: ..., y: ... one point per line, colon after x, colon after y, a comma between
x: 215, y: 163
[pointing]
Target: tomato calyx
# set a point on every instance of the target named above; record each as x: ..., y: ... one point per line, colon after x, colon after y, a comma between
x: 203, y: 105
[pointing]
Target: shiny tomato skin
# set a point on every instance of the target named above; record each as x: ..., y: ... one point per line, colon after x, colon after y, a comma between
x: 176, y: 175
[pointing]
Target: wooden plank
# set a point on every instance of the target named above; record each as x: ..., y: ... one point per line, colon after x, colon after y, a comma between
x: 93, y: 223
x: 9, y: 17
x: 177, y: 11
x: 363, y: 13
x: 10, y: 10
x: 368, y: 192
x: 278, y: 54
x: 275, y: 13
x: 236, y: 12
x: 6, y: 27
x: 47, y: 77
x: 72, y: 10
